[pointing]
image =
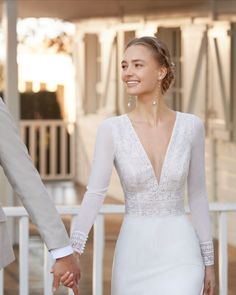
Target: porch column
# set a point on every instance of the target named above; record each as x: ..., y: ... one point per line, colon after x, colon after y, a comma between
x: 79, y: 66
x: 11, y: 95
x: 148, y: 29
x: 107, y: 86
x: 10, y: 67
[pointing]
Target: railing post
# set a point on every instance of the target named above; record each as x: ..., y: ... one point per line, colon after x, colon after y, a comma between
x: 63, y: 150
x: 24, y: 252
x: 53, y: 151
x: 73, y: 219
x: 50, y: 131
x: 1, y: 281
x: 98, y: 246
x: 223, y: 254
x: 42, y: 158
x: 98, y: 252
x: 48, y: 277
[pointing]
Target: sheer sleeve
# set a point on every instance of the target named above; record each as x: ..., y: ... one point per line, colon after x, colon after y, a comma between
x: 98, y: 183
x: 197, y: 193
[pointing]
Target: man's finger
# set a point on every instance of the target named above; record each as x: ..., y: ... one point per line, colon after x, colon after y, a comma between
x: 56, y: 283
x: 212, y: 291
x: 75, y: 289
x: 77, y: 279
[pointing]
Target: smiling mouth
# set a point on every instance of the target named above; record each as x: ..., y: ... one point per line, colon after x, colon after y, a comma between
x: 132, y: 83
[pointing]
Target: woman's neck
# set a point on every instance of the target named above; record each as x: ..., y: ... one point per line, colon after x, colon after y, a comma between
x: 151, y: 114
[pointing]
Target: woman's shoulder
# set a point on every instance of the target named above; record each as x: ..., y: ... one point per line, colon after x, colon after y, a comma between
x: 110, y: 122
x: 195, y: 125
x: 193, y: 118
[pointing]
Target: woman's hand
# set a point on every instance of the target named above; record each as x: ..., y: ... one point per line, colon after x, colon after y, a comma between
x: 209, y: 280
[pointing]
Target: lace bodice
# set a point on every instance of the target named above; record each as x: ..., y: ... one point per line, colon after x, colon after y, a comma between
x: 118, y: 143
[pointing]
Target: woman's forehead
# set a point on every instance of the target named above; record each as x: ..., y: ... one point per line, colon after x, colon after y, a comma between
x: 138, y: 52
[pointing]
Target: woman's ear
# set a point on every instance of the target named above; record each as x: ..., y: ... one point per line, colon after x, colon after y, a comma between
x: 162, y: 73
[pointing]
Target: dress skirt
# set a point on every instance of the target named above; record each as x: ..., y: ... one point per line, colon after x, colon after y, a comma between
x: 157, y: 255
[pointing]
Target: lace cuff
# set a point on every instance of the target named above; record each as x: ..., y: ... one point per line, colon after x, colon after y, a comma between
x: 78, y: 240
x: 207, y: 250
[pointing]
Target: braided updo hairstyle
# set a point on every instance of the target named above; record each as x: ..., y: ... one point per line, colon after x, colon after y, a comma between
x: 161, y: 54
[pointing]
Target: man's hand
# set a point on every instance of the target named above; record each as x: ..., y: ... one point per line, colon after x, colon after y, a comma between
x: 67, y: 265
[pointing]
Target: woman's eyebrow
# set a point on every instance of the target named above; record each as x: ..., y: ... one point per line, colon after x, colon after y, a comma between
x: 137, y: 60
x: 133, y: 60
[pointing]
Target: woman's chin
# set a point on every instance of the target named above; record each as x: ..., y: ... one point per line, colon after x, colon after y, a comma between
x: 132, y: 92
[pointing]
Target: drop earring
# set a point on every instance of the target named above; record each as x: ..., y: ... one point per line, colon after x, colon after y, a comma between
x: 131, y: 100
x: 155, y: 102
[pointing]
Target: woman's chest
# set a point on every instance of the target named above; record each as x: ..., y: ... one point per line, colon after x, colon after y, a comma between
x: 151, y: 161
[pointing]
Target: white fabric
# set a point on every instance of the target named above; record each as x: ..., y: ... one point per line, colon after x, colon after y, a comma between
x: 61, y: 252
x: 97, y: 186
x: 157, y: 256
x: 117, y: 143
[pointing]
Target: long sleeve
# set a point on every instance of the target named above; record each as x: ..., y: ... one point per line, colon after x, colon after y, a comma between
x: 26, y: 182
x: 197, y: 192
x: 98, y: 183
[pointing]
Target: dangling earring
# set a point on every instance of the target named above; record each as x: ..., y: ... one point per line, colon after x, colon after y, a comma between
x: 131, y: 99
x: 155, y: 101
x: 129, y: 102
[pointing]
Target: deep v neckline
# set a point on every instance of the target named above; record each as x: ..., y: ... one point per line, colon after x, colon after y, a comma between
x: 170, y: 144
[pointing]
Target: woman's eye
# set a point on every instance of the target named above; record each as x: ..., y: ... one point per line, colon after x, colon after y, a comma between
x: 138, y: 65
x: 123, y: 66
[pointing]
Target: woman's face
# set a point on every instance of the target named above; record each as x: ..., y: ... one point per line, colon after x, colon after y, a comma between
x: 140, y: 71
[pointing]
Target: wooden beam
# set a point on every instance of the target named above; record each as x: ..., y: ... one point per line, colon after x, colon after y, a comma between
x: 75, y: 10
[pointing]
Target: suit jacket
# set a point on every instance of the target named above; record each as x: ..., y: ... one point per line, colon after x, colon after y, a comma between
x: 26, y: 182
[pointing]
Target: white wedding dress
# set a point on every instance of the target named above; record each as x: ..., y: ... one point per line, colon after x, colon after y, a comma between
x: 160, y: 250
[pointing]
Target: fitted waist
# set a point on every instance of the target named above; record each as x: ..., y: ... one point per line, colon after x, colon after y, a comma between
x: 148, y: 205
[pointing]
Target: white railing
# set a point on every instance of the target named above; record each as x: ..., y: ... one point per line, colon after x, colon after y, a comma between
x: 98, y: 247
x: 51, y: 145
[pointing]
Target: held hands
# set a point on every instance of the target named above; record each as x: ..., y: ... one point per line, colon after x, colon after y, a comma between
x: 67, y: 278
x: 209, y: 280
x: 66, y: 270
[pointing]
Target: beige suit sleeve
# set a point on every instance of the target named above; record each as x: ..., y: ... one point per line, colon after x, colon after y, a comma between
x: 26, y: 182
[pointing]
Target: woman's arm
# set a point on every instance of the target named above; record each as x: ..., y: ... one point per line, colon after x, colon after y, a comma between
x: 197, y: 192
x: 98, y: 183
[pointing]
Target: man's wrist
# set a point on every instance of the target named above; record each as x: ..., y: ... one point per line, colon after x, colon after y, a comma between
x: 61, y: 252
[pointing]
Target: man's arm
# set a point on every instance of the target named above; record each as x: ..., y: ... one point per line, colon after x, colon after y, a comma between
x: 26, y: 182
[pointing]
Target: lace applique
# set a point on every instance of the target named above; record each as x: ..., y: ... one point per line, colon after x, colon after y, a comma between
x: 143, y: 194
x: 207, y: 250
x: 146, y: 204
x: 78, y: 241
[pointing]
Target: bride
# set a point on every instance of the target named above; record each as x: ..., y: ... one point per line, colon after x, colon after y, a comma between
x: 156, y: 152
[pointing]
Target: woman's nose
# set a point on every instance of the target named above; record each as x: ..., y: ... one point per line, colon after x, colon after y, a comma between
x: 129, y: 71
